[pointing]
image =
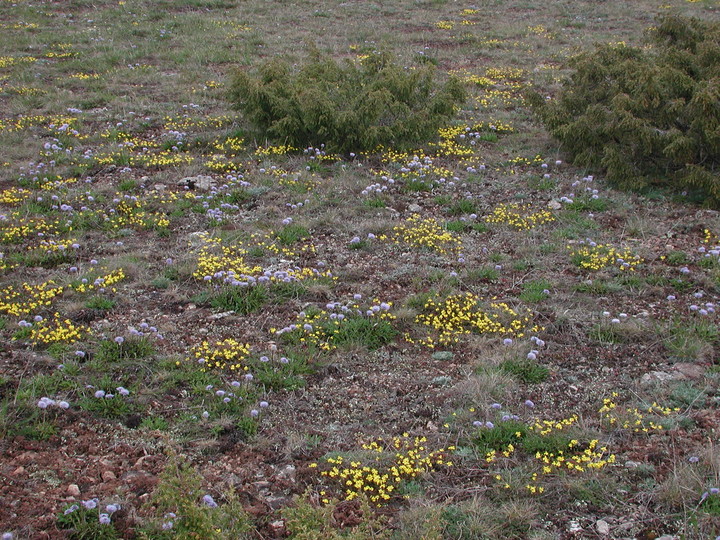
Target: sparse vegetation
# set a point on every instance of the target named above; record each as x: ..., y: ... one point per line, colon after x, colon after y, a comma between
x: 372, y: 301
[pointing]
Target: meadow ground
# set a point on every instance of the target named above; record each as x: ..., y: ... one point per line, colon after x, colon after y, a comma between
x: 206, y: 333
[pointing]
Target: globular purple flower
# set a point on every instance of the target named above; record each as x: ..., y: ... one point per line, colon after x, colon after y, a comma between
x: 254, y: 413
x: 671, y: 297
x: 489, y: 425
x: 264, y: 359
x: 235, y: 384
x: 496, y: 406
x: 507, y: 341
x: 80, y: 354
x: 693, y: 459
x: 529, y: 403
x: 263, y: 404
x: 714, y: 491
x: 249, y: 377
x: 477, y: 423
x: 167, y: 525
x: 123, y: 391
x: 119, y: 340
x: 90, y: 504
x: 104, y: 519
x: 100, y: 394
x: 111, y: 508
x: 284, y: 360
x: 63, y: 405
x: 71, y: 509
x: 531, y: 356
x: 209, y: 501
x: 205, y: 415
x: 37, y: 318
x: 357, y: 296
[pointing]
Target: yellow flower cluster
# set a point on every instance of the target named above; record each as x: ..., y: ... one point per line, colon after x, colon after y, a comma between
x: 213, y: 258
x: 579, y: 458
x: 187, y: 123
x: 631, y: 417
x: 278, y: 150
x: 449, y: 144
x: 10, y: 61
x: 56, y: 330
x: 164, y: 158
x: 84, y: 76
x: 16, y: 228
x: 25, y: 122
x: 445, y: 25
x: 102, y: 281
x: 29, y: 298
x: 546, y: 427
x: 380, y: 479
x: 4, y: 264
x: 460, y: 315
x: 226, y: 354
x: 519, y: 216
x: 14, y: 196
x: 23, y: 90
x: 18, y: 26
x: 48, y: 184
x: 709, y: 237
x: 599, y: 256
x: 427, y: 233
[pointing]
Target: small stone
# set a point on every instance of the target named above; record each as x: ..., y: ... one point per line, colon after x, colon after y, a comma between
x: 20, y: 470
x: 632, y: 464
x: 688, y: 370
x: 574, y: 527
x: 108, y: 475
x: 444, y: 356
x: 276, y: 502
x: 200, y: 182
x: 554, y: 205
x: 415, y: 208
x: 442, y: 380
x: 73, y: 490
x: 278, y: 525
x: 602, y: 527
x: 655, y: 377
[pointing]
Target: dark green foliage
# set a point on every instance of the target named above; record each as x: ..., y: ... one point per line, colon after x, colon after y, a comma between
x: 527, y: 371
x: 348, y: 106
x: 646, y: 116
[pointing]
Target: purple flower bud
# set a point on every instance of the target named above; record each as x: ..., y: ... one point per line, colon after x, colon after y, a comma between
x: 209, y: 501
x: 529, y: 403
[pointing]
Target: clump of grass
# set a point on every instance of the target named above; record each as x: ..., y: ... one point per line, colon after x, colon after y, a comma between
x: 527, y: 371
x: 535, y: 291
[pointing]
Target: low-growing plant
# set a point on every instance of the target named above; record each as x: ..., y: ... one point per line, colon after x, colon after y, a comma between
x: 88, y: 521
x: 535, y: 291
x: 349, y: 106
x: 180, y: 508
x: 527, y: 371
